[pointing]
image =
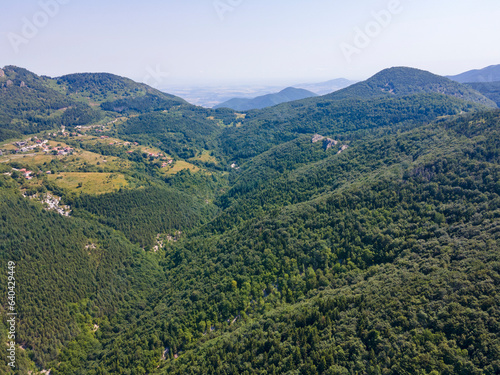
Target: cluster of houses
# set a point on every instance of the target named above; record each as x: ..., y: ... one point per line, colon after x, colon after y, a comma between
x: 29, y: 174
x: 119, y: 143
x: 40, y: 146
x: 25, y: 147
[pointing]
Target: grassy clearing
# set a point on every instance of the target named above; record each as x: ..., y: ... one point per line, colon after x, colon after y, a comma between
x: 120, y: 142
x: 179, y: 166
x: 38, y: 159
x: 205, y: 157
x: 79, y: 158
x: 90, y: 183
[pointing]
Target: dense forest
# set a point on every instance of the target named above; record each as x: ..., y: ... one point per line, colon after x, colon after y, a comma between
x: 269, y: 253
x: 142, y: 214
x: 489, y: 89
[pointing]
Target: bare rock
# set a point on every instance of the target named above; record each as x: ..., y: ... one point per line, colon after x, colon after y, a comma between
x: 328, y: 143
x: 317, y: 138
x: 343, y: 148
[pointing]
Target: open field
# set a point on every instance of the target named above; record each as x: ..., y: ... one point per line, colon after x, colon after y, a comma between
x: 205, y: 157
x: 91, y: 183
x: 179, y: 166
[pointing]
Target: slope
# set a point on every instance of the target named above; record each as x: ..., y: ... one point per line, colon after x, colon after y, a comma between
x: 488, y: 74
x: 489, y: 89
x: 28, y: 105
x: 393, y: 96
x: 327, y: 87
x: 429, y: 193
x: 287, y: 95
x: 65, y: 267
x: 371, y: 316
x: 402, y: 81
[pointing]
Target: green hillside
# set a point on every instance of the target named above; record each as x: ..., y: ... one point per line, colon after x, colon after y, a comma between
x: 353, y: 233
x: 489, y: 74
x: 65, y: 268
x: 269, y: 127
x: 489, y: 89
x: 402, y: 81
x: 28, y: 105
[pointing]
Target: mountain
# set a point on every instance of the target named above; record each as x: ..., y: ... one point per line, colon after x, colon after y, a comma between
x: 210, y: 96
x: 287, y: 95
x: 401, y: 81
x: 489, y: 89
x: 327, y: 87
x: 30, y: 103
x: 488, y: 74
x: 356, y: 232
x: 393, y: 96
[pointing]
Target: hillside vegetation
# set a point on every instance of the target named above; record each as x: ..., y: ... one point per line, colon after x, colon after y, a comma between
x: 354, y: 233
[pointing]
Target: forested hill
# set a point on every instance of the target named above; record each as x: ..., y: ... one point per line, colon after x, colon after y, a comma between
x: 488, y: 74
x: 356, y: 234
x: 489, y: 89
x: 393, y: 96
x: 30, y: 103
x: 402, y: 81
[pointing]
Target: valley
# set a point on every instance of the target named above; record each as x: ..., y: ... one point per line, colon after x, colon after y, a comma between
x: 351, y: 233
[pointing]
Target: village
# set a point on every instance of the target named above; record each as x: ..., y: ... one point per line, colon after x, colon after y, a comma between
x: 34, y: 145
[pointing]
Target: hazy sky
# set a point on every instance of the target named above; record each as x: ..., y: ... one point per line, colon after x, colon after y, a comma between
x: 172, y: 42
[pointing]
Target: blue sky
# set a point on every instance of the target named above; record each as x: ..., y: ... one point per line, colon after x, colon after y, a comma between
x: 174, y: 42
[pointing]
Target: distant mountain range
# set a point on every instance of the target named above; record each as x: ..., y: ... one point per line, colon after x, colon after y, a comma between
x: 287, y: 95
x: 212, y: 97
x: 488, y: 74
x: 327, y: 87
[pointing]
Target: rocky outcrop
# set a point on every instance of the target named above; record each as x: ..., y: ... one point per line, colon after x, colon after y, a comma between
x: 2, y: 73
x: 317, y: 138
x: 328, y: 143
x: 343, y: 148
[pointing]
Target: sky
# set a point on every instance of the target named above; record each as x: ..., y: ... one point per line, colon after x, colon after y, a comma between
x: 238, y: 42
